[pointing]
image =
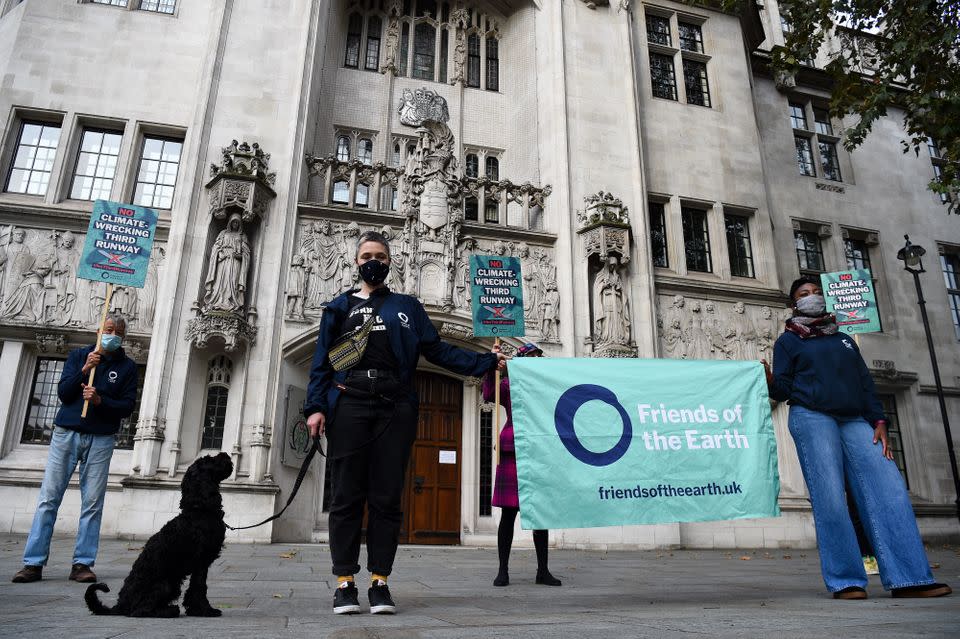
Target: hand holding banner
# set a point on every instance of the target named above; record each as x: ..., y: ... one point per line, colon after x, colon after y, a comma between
x: 850, y: 297
x: 646, y: 441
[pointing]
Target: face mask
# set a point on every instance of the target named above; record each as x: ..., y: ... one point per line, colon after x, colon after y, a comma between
x: 811, y: 305
x: 373, y: 272
x: 110, y: 343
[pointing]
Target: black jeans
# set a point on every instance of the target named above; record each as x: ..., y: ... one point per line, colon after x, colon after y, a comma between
x: 369, y: 446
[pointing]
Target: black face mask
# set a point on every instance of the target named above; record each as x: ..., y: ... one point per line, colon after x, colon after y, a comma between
x: 373, y: 272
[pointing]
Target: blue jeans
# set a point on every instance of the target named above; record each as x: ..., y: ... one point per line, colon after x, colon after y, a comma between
x: 67, y: 448
x: 830, y: 448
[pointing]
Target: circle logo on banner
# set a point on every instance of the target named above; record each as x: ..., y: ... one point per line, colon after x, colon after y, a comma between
x: 567, y: 407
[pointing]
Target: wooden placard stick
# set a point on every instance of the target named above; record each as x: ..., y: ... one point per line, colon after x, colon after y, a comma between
x: 496, y: 398
x: 98, y: 349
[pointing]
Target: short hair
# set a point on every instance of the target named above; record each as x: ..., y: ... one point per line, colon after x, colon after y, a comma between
x: 119, y: 322
x: 372, y: 236
x: 800, y: 281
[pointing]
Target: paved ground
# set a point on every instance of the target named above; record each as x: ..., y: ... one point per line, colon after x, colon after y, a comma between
x: 284, y: 590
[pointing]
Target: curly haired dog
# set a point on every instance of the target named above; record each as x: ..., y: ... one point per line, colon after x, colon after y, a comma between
x: 186, y: 545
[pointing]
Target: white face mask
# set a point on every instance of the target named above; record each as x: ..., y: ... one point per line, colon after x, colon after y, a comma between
x: 811, y: 305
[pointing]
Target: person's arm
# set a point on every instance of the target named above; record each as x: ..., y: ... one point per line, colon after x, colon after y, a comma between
x: 781, y: 385
x: 121, y: 405
x: 321, y: 372
x: 451, y: 357
x: 69, y: 387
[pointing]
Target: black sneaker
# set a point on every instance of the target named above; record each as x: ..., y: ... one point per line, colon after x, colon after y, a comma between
x: 381, y: 603
x: 345, y: 600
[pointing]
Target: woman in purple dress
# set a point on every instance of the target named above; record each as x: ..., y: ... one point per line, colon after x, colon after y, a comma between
x: 505, y: 495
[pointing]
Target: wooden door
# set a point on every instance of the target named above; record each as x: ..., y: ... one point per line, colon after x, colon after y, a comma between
x: 432, y: 496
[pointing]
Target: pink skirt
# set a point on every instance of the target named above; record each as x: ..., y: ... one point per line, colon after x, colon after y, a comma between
x: 505, y: 493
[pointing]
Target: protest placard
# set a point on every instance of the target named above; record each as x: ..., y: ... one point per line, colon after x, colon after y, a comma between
x: 497, y: 296
x: 850, y: 297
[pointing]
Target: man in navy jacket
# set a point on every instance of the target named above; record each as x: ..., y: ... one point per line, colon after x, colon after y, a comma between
x: 85, y: 440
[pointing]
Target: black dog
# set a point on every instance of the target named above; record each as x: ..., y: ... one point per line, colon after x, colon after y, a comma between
x: 186, y: 545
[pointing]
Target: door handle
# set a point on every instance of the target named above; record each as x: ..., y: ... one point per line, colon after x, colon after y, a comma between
x: 418, y: 484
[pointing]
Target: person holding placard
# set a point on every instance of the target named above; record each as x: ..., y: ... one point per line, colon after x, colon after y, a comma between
x: 85, y: 440
x: 361, y: 394
x: 505, y: 490
x: 840, y: 431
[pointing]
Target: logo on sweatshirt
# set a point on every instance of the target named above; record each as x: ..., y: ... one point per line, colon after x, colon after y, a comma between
x: 847, y: 343
x: 112, y: 376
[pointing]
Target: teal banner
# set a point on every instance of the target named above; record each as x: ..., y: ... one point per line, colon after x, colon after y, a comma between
x: 118, y: 245
x: 497, y: 296
x: 644, y: 442
x: 851, y: 298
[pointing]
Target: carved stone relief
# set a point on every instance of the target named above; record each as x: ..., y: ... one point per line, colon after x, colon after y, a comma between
x: 39, y: 284
x: 709, y: 329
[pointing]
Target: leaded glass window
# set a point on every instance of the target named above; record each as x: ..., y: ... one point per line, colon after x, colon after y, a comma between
x: 804, y: 155
x: 159, y: 6
x: 658, y: 235
x: 493, y: 64
x: 950, y: 262
x: 691, y: 38
x: 473, y: 60
x: 33, y: 160
x: 798, y: 116
x: 809, y: 251
x: 663, y: 77
x: 354, y: 29
x: 341, y: 192
x: 215, y: 409
x: 157, y: 176
x: 696, y: 240
x: 472, y: 166
x: 404, y: 48
x: 829, y: 161
x: 822, y: 119
x: 894, y: 435
x: 424, y: 51
x: 372, y: 62
x: 492, y: 168
x: 658, y: 30
x: 738, y: 245
x: 96, y: 165
x: 444, y: 48
x: 365, y: 150
x: 44, y: 402
x: 112, y: 3
x: 857, y: 253
x: 486, y: 462
x: 362, y: 197
x: 695, y: 82
x: 343, y: 148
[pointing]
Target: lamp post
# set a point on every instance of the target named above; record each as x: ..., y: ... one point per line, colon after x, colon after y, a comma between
x: 910, y: 254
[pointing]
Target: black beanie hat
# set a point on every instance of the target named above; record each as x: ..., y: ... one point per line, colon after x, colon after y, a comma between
x: 800, y: 281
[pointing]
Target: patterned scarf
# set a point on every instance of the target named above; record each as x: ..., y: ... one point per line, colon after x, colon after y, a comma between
x: 806, y: 327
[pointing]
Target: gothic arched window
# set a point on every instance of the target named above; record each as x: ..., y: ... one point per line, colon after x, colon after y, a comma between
x: 404, y: 48
x: 372, y: 62
x: 472, y: 168
x: 473, y: 60
x: 493, y: 64
x: 343, y: 148
x: 424, y: 51
x: 219, y: 370
x: 493, y: 168
x: 354, y: 29
x: 365, y: 150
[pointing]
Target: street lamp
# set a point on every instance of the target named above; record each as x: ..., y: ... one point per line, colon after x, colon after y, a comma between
x: 911, y: 255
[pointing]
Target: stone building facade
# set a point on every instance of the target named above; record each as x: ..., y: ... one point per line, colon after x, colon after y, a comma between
x: 660, y: 188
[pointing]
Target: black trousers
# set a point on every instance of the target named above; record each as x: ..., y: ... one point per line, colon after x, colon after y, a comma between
x: 369, y: 446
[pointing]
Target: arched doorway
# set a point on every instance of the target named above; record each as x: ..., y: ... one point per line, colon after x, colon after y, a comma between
x: 432, y: 498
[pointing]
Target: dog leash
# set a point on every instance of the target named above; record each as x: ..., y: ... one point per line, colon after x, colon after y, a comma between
x: 296, y: 486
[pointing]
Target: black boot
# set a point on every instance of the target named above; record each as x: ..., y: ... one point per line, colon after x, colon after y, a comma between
x: 504, y: 541
x: 543, y: 573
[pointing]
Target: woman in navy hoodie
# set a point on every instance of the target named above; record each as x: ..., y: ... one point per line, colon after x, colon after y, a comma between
x: 837, y: 423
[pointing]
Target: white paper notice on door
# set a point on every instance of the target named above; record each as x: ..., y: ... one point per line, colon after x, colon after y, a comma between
x: 448, y: 457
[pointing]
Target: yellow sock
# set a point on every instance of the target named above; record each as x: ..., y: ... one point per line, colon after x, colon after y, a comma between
x: 375, y: 576
x: 344, y: 579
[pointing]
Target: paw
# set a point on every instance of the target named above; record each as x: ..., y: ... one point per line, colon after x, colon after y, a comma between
x: 204, y: 612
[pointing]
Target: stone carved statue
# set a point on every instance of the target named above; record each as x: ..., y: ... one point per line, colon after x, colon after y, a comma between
x: 462, y: 292
x: 391, y: 50
x: 672, y: 322
x: 152, y: 286
x: 24, y: 287
x: 611, y: 310
x: 347, y: 249
x: 708, y: 329
x: 226, y: 283
x: 64, y: 277
x: 549, y: 306
x: 296, y: 288
x: 322, y: 262
x: 460, y: 18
